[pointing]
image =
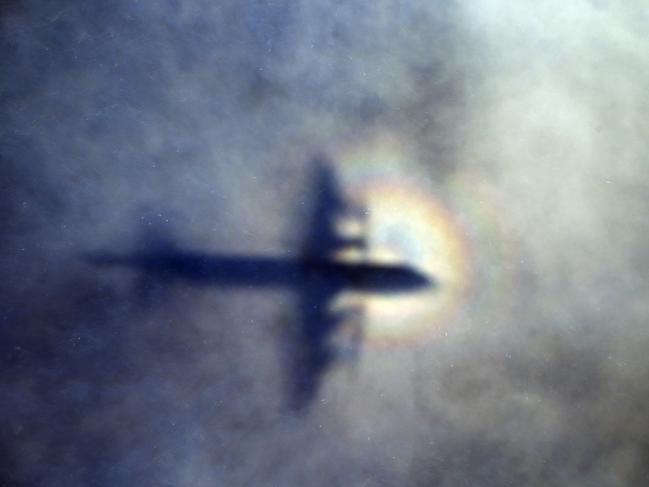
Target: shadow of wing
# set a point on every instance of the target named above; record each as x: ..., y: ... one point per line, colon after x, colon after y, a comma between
x: 313, y: 352
x: 323, y: 240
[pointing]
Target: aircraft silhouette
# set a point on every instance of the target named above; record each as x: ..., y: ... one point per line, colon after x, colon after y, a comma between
x: 315, y: 276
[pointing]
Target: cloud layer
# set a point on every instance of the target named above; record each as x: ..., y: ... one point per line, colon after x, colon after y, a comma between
x: 527, y: 120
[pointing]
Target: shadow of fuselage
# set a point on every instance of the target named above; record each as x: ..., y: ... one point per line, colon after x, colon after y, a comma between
x: 244, y: 271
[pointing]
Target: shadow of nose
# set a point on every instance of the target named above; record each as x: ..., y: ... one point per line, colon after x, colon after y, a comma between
x: 422, y: 281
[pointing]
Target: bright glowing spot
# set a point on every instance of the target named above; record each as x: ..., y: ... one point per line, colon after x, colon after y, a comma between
x: 408, y: 226
x: 405, y: 224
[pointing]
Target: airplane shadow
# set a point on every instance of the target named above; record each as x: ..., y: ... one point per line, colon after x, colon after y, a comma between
x: 315, y: 277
